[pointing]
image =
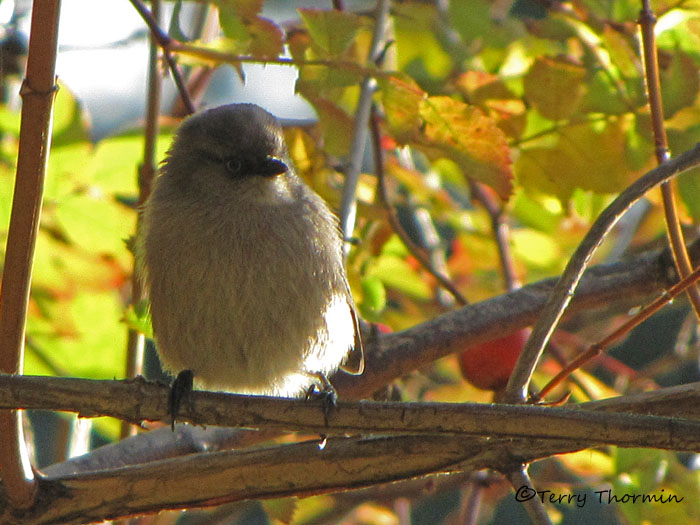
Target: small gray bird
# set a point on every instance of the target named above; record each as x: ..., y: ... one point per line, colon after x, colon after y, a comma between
x: 243, y: 261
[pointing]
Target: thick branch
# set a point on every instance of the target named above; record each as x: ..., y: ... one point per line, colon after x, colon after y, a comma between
x: 306, y: 469
x: 623, y: 285
x: 515, y: 434
x: 138, y: 400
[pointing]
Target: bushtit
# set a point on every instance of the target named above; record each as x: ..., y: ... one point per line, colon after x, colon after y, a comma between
x: 243, y: 261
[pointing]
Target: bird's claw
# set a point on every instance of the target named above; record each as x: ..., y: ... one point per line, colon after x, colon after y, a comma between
x: 181, y: 387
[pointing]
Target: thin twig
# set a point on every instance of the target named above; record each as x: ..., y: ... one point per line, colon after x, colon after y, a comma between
x: 412, y: 247
x: 501, y: 232
x: 526, y: 494
x: 647, y: 20
x: 643, y: 315
x: 430, y: 240
x: 165, y: 42
x: 348, y: 204
x: 146, y: 173
x: 517, y: 388
x: 37, y: 93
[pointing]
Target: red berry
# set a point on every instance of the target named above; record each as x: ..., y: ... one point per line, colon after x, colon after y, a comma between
x: 489, y: 365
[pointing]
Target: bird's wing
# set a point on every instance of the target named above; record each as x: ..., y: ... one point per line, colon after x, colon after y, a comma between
x: 355, y: 361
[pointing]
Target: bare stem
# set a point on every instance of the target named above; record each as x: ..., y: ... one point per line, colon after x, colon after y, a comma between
x: 348, y: 205
x: 517, y: 388
x: 165, y: 42
x: 146, y: 173
x: 501, y: 232
x: 647, y: 20
x: 522, y: 484
x: 641, y: 316
x: 412, y: 247
x: 37, y: 93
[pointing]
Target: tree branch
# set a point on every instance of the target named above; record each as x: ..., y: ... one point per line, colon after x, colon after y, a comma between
x: 621, y: 285
x: 137, y: 400
x: 517, y: 388
x: 515, y: 434
x: 37, y: 94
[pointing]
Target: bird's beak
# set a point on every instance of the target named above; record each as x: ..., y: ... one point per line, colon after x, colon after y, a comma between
x: 272, y: 166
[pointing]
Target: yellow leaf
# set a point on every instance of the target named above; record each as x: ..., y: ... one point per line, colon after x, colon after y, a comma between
x: 465, y: 135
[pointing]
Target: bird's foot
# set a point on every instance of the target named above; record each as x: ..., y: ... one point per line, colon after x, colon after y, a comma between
x: 325, y: 393
x: 181, y: 387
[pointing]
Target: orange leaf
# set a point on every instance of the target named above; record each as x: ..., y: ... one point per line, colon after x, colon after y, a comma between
x: 465, y: 135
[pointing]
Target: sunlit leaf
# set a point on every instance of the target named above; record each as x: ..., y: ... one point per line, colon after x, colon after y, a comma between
x: 9, y: 121
x: 554, y: 87
x: 464, y: 134
x: 266, y: 38
x: 401, y: 98
x: 69, y: 124
x: 62, y: 269
x: 490, y: 93
x: 603, y: 95
x: 621, y: 52
x: 373, y: 294
x: 68, y: 169
x: 91, y: 341
x: 543, y: 213
x: 336, y: 126
x: 537, y: 248
x: 679, y: 29
x: 331, y: 30
x: 280, y: 510
x: 588, y: 462
x: 251, y: 33
x: 679, y: 83
x: 396, y: 273
x: 418, y: 51
x: 480, y: 25
x: 244, y: 8
x: 585, y: 157
x: 114, y: 164
x: 95, y: 222
x: 137, y: 317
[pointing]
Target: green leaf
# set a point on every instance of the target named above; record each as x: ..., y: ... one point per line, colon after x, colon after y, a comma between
x: 281, y: 510
x: 689, y: 189
x: 418, y: 51
x: 95, y: 222
x: 536, y: 249
x: 679, y: 83
x: 331, y: 30
x: 464, y: 134
x: 373, y: 294
x: 85, y: 335
x: 401, y: 98
x: 251, y: 33
x: 138, y: 318
x: 554, y: 87
x: 336, y: 126
x: 69, y: 125
x: 589, y: 156
x: 396, y: 273
x: 114, y: 164
x: 622, y: 53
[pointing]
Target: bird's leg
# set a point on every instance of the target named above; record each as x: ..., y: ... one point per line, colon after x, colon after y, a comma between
x: 325, y: 393
x: 181, y: 387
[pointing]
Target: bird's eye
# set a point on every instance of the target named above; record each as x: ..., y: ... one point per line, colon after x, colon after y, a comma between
x: 233, y: 166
